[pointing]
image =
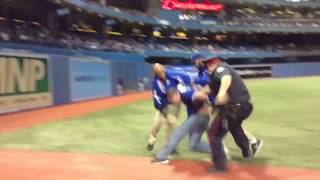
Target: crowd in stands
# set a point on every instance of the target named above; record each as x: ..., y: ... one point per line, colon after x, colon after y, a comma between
x: 275, y: 18
x: 36, y: 34
x: 248, y: 16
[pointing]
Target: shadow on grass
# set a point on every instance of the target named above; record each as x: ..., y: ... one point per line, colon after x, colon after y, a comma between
x: 236, y: 171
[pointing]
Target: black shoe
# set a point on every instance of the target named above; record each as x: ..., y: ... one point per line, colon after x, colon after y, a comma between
x: 247, y: 155
x: 175, y: 152
x: 158, y: 161
x: 256, y: 147
x: 217, y: 169
x: 150, y: 147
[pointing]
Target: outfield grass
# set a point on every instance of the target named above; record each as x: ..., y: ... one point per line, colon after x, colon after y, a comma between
x: 286, y: 116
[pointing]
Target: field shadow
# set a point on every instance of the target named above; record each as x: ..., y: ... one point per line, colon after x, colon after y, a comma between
x: 236, y: 171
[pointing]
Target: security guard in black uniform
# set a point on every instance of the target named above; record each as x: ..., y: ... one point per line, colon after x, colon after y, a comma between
x: 233, y: 105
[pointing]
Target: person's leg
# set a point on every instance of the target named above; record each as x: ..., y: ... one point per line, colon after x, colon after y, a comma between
x: 171, y: 120
x: 226, y: 151
x: 234, y: 124
x: 216, y: 133
x: 251, y: 137
x: 212, y: 115
x: 158, y: 122
x: 241, y: 140
x: 178, y: 134
x: 255, y: 144
x: 196, y: 133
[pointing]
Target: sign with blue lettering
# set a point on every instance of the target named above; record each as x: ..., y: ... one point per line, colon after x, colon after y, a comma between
x: 89, y: 80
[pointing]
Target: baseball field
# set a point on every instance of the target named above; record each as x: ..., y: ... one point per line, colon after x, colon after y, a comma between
x: 106, y: 142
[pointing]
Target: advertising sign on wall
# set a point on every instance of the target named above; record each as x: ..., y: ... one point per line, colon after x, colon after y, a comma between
x: 24, y: 82
x: 89, y: 79
x: 203, y: 5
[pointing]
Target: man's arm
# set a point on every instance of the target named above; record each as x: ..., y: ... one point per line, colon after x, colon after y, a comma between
x: 225, y: 84
x: 222, y: 96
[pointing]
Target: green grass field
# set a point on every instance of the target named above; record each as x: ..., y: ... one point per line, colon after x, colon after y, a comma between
x: 286, y: 116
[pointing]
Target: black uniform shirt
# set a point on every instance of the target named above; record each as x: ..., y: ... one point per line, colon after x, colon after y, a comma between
x: 237, y: 91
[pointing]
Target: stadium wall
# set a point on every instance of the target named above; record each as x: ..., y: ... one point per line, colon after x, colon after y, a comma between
x: 296, y: 69
x: 25, y: 81
x: 66, y: 79
x: 61, y: 85
x: 89, y: 78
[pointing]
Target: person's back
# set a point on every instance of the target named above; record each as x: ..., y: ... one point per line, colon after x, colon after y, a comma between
x: 238, y: 91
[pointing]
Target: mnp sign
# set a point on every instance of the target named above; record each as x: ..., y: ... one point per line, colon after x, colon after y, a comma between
x: 90, y: 79
x: 24, y: 82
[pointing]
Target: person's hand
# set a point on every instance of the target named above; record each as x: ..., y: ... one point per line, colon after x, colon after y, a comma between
x: 222, y: 99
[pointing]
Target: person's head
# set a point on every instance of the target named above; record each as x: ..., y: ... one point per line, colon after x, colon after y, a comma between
x: 159, y: 71
x: 212, y: 64
x: 197, y: 59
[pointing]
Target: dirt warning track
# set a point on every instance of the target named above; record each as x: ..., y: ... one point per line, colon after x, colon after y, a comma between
x: 27, y: 119
x: 25, y: 165
x: 32, y: 165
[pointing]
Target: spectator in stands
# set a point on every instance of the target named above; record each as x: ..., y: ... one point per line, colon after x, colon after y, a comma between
x: 141, y: 86
x: 119, y: 86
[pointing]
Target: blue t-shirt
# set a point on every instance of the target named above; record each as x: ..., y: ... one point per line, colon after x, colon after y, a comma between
x: 174, y: 78
x: 159, y: 94
x: 203, y: 80
x: 160, y: 88
x: 202, y: 71
x: 186, y: 97
x: 203, y: 77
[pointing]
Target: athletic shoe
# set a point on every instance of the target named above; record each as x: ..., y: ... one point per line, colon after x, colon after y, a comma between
x: 175, y: 152
x: 158, y: 161
x: 256, y: 147
x: 228, y: 156
x: 150, y: 147
x: 216, y: 169
x: 247, y: 155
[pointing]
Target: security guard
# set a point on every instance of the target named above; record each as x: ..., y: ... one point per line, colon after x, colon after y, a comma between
x: 233, y: 105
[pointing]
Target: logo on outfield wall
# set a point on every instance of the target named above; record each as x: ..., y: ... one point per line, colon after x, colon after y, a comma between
x: 24, y: 83
x: 90, y: 78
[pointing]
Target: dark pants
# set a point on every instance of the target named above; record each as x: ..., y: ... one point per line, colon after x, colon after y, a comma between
x: 229, y: 118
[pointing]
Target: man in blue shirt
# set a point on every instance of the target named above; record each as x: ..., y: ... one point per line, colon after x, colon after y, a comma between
x: 163, y: 87
x: 195, y: 125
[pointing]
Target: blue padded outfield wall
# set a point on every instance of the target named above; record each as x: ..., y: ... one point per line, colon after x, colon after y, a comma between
x: 76, y: 75
x: 60, y: 77
x: 296, y: 69
x: 89, y: 79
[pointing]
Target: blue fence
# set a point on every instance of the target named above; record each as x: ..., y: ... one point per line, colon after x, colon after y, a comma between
x: 295, y: 69
x: 84, y: 75
x: 76, y: 77
x: 60, y: 74
x: 89, y: 80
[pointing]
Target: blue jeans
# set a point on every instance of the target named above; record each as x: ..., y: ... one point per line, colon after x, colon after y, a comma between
x: 195, y: 125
